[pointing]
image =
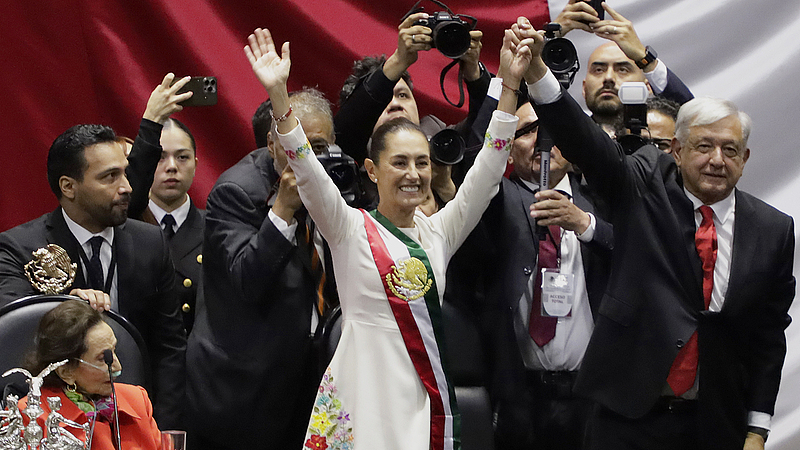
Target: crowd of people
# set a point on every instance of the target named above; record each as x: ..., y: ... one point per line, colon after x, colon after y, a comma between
x: 638, y: 301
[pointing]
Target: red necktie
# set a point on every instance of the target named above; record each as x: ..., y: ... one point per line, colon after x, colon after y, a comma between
x: 684, y: 368
x: 541, y: 328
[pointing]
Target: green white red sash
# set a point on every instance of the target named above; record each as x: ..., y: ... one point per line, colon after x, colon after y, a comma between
x: 410, y: 286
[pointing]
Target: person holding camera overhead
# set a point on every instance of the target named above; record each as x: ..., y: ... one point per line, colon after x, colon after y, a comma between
x: 380, y: 89
x: 386, y: 387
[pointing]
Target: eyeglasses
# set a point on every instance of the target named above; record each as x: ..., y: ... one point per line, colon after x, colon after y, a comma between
x: 662, y: 144
x: 529, y: 128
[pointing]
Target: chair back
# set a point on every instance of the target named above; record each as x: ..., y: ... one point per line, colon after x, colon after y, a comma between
x: 19, y: 321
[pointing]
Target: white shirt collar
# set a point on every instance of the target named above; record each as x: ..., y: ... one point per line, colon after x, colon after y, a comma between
x: 83, y: 235
x: 563, y: 185
x: 723, y: 209
x: 180, y: 213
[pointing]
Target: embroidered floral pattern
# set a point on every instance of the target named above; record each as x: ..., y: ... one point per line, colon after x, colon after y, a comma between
x: 329, y: 427
x: 498, y: 144
x: 304, y: 150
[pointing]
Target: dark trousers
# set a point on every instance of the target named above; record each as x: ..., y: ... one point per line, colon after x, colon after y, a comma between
x: 670, y: 425
x: 545, y: 416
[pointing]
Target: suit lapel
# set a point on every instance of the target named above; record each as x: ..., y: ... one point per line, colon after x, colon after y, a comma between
x: 684, y: 212
x: 58, y: 233
x: 124, y: 251
x: 745, y: 243
x: 526, y: 198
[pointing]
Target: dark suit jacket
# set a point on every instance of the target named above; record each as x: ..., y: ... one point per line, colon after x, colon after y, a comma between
x: 145, y: 294
x: 186, y: 247
x: 253, y: 375
x: 654, y: 299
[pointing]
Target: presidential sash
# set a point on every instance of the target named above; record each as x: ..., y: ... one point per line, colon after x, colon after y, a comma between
x: 411, y: 288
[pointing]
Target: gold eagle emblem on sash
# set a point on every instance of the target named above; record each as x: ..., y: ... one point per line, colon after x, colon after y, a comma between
x: 409, y: 279
x: 51, y: 271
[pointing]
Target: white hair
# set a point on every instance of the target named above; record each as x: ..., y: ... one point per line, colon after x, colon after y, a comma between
x: 705, y: 111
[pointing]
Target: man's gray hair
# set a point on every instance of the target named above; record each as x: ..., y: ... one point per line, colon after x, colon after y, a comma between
x: 306, y: 103
x: 705, y: 111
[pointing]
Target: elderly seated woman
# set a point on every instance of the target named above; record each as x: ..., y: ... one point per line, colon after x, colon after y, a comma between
x: 81, y: 389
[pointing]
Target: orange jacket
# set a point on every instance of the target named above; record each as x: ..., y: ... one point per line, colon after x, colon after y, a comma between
x: 138, y: 430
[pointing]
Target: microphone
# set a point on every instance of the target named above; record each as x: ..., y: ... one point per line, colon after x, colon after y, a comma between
x: 543, y: 145
x: 108, y: 358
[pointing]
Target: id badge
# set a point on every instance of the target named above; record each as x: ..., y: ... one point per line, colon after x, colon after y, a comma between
x: 557, y: 293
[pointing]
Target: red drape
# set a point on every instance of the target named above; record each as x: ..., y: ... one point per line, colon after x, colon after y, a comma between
x: 96, y: 61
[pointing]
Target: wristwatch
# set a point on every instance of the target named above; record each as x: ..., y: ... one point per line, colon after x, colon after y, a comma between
x: 763, y: 432
x: 649, y: 57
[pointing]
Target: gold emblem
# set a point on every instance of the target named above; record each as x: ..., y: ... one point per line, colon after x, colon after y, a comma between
x: 409, y: 279
x: 51, y: 271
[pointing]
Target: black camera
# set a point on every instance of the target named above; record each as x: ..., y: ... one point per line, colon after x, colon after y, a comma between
x: 343, y: 170
x: 559, y: 55
x: 447, y: 147
x: 449, y: 32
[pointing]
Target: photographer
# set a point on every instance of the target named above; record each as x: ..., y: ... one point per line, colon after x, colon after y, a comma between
x: 381, y: 89
x: 623, y: 59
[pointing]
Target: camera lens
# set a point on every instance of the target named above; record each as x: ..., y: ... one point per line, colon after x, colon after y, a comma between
x: 447, y: 147
x: 559, y: 55
x: 342, y: 176
x: 451, y: 38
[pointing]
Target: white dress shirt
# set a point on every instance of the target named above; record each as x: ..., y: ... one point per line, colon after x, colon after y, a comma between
x: 565, y: 351
x: 82, y: 235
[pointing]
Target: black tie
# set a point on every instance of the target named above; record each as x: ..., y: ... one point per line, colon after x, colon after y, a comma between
x: 169, y: 225
x: 95, y: 268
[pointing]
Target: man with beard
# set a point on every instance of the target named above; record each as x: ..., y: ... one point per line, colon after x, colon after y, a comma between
x: 123, y: 265
x: 623, y: 59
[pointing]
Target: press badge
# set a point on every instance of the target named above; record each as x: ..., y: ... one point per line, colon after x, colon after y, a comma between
x: 557, y: 293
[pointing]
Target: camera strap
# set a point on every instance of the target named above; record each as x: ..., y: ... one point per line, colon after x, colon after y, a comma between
x: 460, y: 84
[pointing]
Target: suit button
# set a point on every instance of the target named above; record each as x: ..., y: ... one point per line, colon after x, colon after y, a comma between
x: 187, y: 283
x: 186, y: 307
x: 680, y: 343
x: 199, y: 259
x: 527, y: 270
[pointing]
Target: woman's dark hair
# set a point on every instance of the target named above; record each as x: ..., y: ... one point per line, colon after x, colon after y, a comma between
x: 173, y: 121
x: 62, y: 335
x: 378, y: 143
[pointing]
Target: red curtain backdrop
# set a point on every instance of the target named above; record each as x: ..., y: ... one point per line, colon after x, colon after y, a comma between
x: 96, y: 61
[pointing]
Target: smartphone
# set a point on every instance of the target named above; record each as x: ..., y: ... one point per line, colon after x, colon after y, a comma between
x: 204, y: 91
x: 596, y: 5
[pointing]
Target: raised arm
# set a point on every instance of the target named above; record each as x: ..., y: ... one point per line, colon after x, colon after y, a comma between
x: 146, y: 151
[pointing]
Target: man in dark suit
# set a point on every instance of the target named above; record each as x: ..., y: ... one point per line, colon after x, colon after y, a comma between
x: 252, y: 366
x: 689, y: 341
x: 122, y: 265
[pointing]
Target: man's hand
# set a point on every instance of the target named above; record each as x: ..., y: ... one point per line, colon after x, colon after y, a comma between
x: 576, y: 15
x: 515, y: 56
x: 620, y: 30
x: 524, y: 31
x: 164, y: 100
x: 98, y: 300
x: 410, y: 40
x: 554, y: 208
x: 287, y: 202
x: 442, y: 181
x: 469, y: 62
x: 271, y: 69
x: 753, y: 442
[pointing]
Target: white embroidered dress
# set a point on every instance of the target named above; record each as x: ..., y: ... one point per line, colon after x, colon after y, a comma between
x: 371, y: 396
